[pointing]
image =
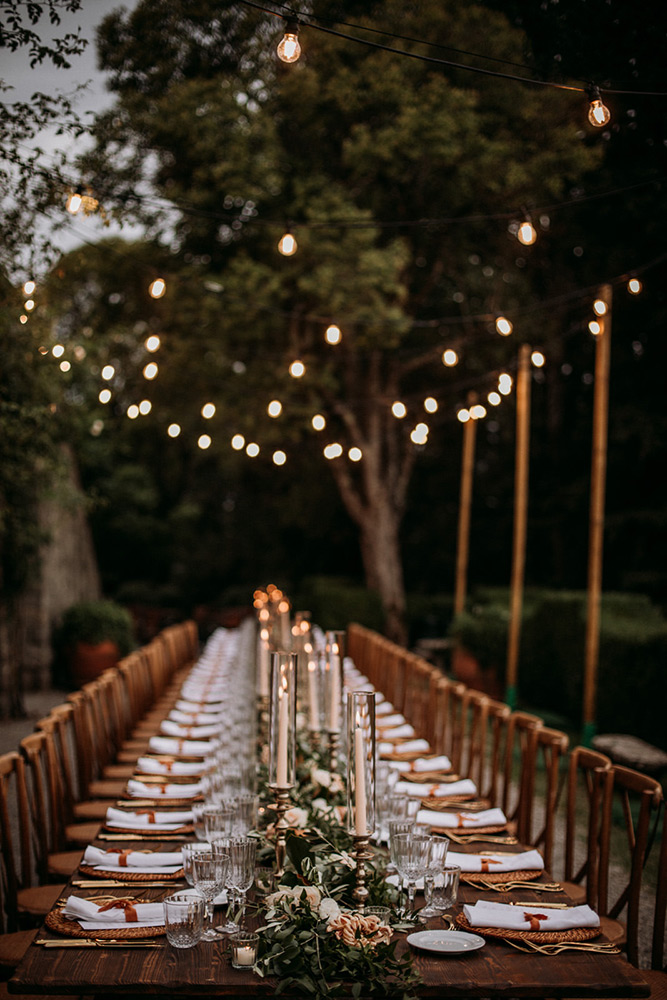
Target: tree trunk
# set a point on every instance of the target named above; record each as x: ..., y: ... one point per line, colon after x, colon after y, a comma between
x: 380, y: 551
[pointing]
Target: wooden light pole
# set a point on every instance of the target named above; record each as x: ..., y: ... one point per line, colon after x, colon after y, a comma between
x: 596, y: 518
x: 520, y: 519
x: 465, y: 503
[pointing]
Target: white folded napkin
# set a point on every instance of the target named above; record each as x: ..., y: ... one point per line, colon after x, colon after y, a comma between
x: 488, y: 861
x: 166, y: 862
x: 421, y: 790
x: 439, y: 763
x: 151, y: 765
x: 196, y: 718
x: 398, y: 733
x: 93, y: 917
x: 462, y: 820
x: 387, y: 721
x: 383, y: 707
x: 412, y: 746
x: 488, y: 914
x: 147, y: 820
x: 138, y: 789
x: 197, y: 706
x: 185, y: 748
x: 170, y: 728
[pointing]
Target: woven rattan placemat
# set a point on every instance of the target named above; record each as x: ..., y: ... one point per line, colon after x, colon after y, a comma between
x: 127, y: 875
x: 538, y: 937
x: 523, y: 875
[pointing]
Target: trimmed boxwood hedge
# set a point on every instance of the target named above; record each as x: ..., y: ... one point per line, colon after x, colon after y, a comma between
x: 632, y: 674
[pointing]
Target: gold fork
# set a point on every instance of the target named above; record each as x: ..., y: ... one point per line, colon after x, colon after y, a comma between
x: 470, y: 838
x: 602, y: 947
x: 511, y: 885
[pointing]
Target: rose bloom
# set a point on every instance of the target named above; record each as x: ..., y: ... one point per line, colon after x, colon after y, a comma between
x: 358, y: 931
x: 296, y: 816
x: 310, y: 893
x: 329, y: 908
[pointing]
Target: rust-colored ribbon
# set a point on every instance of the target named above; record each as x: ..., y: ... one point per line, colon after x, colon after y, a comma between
x: 489, y: 861
x: 534, y: 919
x: 147, y: 812
x: 122, y: 904
x: 122, y: 855
x: 461, y: 818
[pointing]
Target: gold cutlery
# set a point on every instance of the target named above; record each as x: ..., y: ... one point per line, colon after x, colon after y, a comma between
x: 118, y: 883
x: 602, y: 947
x: 97, y: 943
x: 511, y: 884
x: 542, y: 906
x: 470, y: 838
x: 139, y: 836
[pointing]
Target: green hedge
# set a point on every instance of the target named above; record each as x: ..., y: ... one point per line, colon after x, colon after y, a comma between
x: 632, y: 675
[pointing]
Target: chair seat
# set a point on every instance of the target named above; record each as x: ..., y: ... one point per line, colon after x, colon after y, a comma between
x: 14, y: 946
x: 82, y: 833
x: 106, y: 789
x: 39, y: 899
x: 93, y: 809
x: 613, y: 930
x: 64, y: 863
x: 576, y: 892
x: 118, y: 772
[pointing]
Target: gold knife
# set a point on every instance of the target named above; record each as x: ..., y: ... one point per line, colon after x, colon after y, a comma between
x: 96, y: 943
x: 117, y: 883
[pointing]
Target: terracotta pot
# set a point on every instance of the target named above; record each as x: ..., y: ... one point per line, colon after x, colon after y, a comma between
x: 88, y: 661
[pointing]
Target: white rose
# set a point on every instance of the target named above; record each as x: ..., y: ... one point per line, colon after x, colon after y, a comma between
x: 329, y: 909
x: 279, y: 894
x: 320, y: 806
x: 320, y: 777
x: 311, y: 892
x: 296, y: 817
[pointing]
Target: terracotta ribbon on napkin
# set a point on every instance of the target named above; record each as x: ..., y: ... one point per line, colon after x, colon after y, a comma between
x: 122, y: 904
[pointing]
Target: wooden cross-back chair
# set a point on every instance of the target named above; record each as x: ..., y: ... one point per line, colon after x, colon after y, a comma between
x: 585, y: 801
x: 21, y: 868
x: 474, y: 742
x: 419, y: 679
x: 518, y: 775
x: 496, y: 716
x: 540, y: 811
x: 631, y: 811
x: 447, y: 691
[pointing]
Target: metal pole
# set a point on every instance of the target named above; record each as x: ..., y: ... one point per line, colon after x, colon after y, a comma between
x: 520, y: 519
x: 465, y: 503
x: 596, y: 520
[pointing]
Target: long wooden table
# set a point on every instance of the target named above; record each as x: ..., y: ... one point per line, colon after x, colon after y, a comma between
x: 496, y: 970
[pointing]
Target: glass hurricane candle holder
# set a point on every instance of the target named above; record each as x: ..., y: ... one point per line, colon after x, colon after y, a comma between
x: 282, y: 721
x: 333, y: 682
x: 361, y: 763
x: 244, y: 949
x: 316, y: 675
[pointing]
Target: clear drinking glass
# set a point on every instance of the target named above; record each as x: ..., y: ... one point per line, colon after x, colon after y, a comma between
x: 439, y: 848
x: 198, y: 820
x: 412, y: 853
x: 445, y: 890
x: 242, y: 853
x: 223, y: 845
x: 218, y: 821
x: 210, y: 872
x: 187, y: 852
x: 184, y: 918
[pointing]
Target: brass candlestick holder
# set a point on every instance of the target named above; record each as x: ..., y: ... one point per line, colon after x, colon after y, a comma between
x: 362, y: 853
x: 334, y: 747
x: 282, y: 794
x: 314, y: 741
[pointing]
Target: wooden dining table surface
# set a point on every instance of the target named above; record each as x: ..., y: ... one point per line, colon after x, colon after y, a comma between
x: 495, y: 970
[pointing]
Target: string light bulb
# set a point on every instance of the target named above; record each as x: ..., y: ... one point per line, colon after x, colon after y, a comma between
x: 526, y: 233
x: 297, y: 369
x: 157, y: 288
x: 288, y: 48
x: 595, y: 328
x: 355, y: 454
x: 399, y: 409
x: 537, y: 359
x: 208, y: 411
x: 279, y: 457
x: 287, y: 245
x: 503, y: 326
x: 598, y: 112
x: 173, y: 430
x: 333, y: 334
x: 29, y: 287
x: 431, y: 404
x: 275, y: 408
x: 450, y: 358
x: 634, y: 286
x: 599, y: 307
x: 318, y: 422
x: 238, y: 442
x: 152, y: 343
x: 463, y: 415
x: 74, y: 201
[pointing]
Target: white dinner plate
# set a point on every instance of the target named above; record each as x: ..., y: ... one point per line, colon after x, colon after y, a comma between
x: 446, y: 942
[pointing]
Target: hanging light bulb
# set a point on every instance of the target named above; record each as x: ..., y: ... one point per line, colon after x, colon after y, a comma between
x: 503, y: 326
x: 599, y: 307
x: 157, y: 288
x: 288, y: 48
x: 526, y: 233
x: 634, y: 286
x: 450, y: 358
x: 333, y: 334
x: 598, y: 113
x: 398, y: 409
x: 537, y: 359
x: 279, y: 457
x: 275, y: 408
x: 297, y: 369
x: 29, y: 287
x: 318, y: 422
x: 287, y: 245
x: 74, y: 202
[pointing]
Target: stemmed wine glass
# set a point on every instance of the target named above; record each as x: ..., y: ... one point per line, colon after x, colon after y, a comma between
x: 241, y: 869
x: 439, y: 848
x: 209, y: 872
x: 394, y: 827
x: 412, y: 857
x: 223, y: 846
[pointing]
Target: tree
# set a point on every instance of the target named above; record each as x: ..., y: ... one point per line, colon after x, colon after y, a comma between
x: 29, y: 183
x: 351, y: 147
